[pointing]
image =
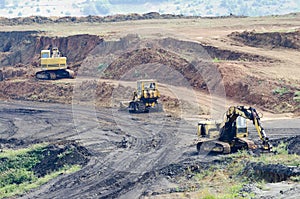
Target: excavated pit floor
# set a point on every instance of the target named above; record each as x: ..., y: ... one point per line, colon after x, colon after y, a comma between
x: 155, y: 153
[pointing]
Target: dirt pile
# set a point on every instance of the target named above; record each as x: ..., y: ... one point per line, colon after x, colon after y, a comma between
x: 268, y: 94
x: 271, y: 172
x: 201, y: 51
x: 16, y: 72
x: 36, y: 91
x: 57, y: 155
x: 99, y: 93
x: 61, y: 92
x: 292, y: 143
x: 268, y: 40
x: 141, y: 57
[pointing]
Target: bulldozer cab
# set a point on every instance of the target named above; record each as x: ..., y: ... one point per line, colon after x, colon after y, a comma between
x: 147, y: 89
x: 146, y: 84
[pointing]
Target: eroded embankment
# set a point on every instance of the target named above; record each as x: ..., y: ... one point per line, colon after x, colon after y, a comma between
x: 25, y: 165
x: 90, y: 56
x: 268, y: 39
x: 24, y: 47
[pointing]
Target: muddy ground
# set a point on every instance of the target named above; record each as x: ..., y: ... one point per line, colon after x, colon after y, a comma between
x: 156, y: 151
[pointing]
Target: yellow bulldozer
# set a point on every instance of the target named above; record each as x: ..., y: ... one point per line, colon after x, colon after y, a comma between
x: 145, y: 97
x: 53, y: 66
x: 231, y: 134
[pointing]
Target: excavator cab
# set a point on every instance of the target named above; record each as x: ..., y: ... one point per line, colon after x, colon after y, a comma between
x: 45, y: 54
x: 241, y: 128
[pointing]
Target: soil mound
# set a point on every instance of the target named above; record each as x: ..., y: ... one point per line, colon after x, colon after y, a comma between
x: 268, y: 40
x: 59, y: 154
x: 271, y: 172
x: 55, y: 156
x: 292, y: 143
x: 57, y: 92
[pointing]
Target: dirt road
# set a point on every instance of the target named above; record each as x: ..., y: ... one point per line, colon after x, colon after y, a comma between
x: 132, y: 155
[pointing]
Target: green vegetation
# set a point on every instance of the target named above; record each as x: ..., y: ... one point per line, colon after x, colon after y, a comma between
x: 102, y: 67
x: 16, y: 170
x: 297, y: 96
x: 280, y: 91
x: 216, y: 60
x: 227, y: 180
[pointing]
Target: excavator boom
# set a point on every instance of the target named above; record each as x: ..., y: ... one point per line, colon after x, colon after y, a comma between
x: 232, y: 134
x: 251, y: 114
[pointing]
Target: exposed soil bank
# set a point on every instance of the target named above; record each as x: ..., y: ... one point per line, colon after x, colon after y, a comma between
x: 268, y: 40
x: 271, y: 172
x: 54, y: 156
x: 24, y: 47
x: 126, y: 59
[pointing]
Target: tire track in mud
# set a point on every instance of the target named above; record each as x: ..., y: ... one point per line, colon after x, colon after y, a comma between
x: 113, y: 171
x: 8, y: 127
x: 122, y: 169
x: 128, y: 163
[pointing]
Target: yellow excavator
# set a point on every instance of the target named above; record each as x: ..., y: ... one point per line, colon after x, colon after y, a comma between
x: 145, y: 96
x: 53, y: 65
x: 231, y: 134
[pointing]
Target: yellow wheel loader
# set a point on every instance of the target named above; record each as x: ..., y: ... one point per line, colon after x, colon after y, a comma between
x: 53, y: 66
x: 145, y: 97
x: 231, y: 134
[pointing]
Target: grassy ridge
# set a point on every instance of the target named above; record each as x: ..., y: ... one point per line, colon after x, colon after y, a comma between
x: 226, y: 180
x: 16, y: 170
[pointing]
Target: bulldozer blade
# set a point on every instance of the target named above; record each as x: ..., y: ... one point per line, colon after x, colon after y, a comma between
x: 124, y: 105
